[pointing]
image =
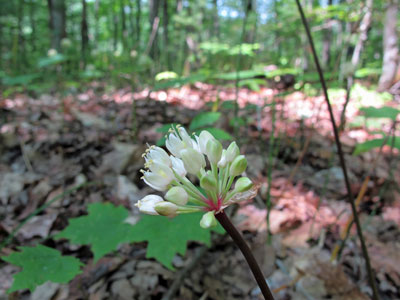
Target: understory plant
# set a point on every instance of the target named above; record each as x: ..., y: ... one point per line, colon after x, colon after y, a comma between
x: 172, y: 174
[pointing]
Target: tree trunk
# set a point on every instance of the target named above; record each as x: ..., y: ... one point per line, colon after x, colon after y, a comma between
x: 57, y: 22
x: 215, y: 19
x: 138, y: 17
x: 20, y: 54
x: 96, y: 20
x: 84, y: 33
x: 390, y: 47
x: 326, y: 43
x: 32, y: 24
x: 165, y: 33
x: 124, y: 33
x: 153, y: 16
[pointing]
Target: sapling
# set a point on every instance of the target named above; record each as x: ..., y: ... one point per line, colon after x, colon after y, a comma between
x: 168, y: 173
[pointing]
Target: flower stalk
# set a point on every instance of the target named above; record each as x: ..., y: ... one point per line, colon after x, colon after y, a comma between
x: 244, y: 248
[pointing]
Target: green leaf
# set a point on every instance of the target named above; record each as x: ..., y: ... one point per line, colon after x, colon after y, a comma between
x: 381, y: 112
x: 51, y: 60
x: 376, y: 143
x: 104, y: 228
x: 219, y: 134
x: 204, y: 119
x: 41, y: 264
x: 167, y: 237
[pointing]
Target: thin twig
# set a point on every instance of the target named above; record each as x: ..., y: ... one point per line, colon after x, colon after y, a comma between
x: 341, y: 157
x: 240, y: 242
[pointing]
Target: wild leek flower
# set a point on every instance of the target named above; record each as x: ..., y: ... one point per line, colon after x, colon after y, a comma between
x: 168, y: 173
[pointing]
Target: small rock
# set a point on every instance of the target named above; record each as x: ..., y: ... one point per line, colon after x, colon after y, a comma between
x: 45, y: 291
x: 122, y: 289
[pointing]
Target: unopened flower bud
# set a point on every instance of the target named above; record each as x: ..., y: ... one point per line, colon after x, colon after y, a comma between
x: 238, y: 166
x: 208, y: 220
x: 147, y: 204
x: 193, y: 160
x: 203, y: 139
x: 243, y: 184
x: 214, y: 151
x: 208, y: 182
x: 166, y: 208
x: 232, y: 152
x: 177, y: 195
x: 222, y: 162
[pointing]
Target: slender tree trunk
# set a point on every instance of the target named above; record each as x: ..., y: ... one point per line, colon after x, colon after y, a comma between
x: 57, y: 22
x: 84, y: 33
x: 20, y: 54
x: 115, y: 33
x: 138, y: 18
x: 355, y: 59
x: 32, y: 24
x: 124, y: 33
x: 153, y: 16
x: 215, y: 20
x: 165, y: 33
x: 326, y: 43
x: 390, y: 46
x: 132, y: 30
x: 96, y: 21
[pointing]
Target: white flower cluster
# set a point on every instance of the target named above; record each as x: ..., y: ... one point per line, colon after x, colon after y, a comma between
x: 168, y: 173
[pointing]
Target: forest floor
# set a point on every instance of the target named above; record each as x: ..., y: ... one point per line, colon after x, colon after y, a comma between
x: 52, y: 143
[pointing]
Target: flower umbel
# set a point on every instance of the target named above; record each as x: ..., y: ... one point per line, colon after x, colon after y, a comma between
x: 167, y: 173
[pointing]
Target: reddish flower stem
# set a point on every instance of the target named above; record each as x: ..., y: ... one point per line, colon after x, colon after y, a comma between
x: 241, y: 243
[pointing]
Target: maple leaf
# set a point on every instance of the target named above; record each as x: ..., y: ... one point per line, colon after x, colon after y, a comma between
x: 41, y: 264
x: 168, y: 237
x: 104, y: 228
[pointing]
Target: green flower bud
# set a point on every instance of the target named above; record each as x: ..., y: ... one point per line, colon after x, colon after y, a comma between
x: 214, y: 151
x: 166, y: 208
x: 208, y: 182
x: 232, y: 152
x: 177, y: 195
x: 193, y: 160
x: 243, y: 184
x: 238, y: 166
x: 208, y: 220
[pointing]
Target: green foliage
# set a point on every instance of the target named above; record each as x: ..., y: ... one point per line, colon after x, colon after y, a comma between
x: 218, y: 133
x: 41, y: 264
x: 168, y: 237
x: 376, y: 143
x: 104, y: 228
x: 51, y: 60
x: 381, y: 112
x: 204, y: 119
x: 19, y: 80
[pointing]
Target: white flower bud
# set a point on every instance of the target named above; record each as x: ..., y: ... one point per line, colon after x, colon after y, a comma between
x: 222, y: 162
x: 232, y: 152
x: 203, y: 139
x: 166, y: 208
x: 238, y: 166
x: 208, y: 220
x: 147, y: 204
x: 177, y: 195
x: 193, y: 160
x: 214, y: 151
x: 243, y: 184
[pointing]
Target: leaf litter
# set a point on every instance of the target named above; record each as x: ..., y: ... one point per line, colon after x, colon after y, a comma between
x: 53, y: 142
